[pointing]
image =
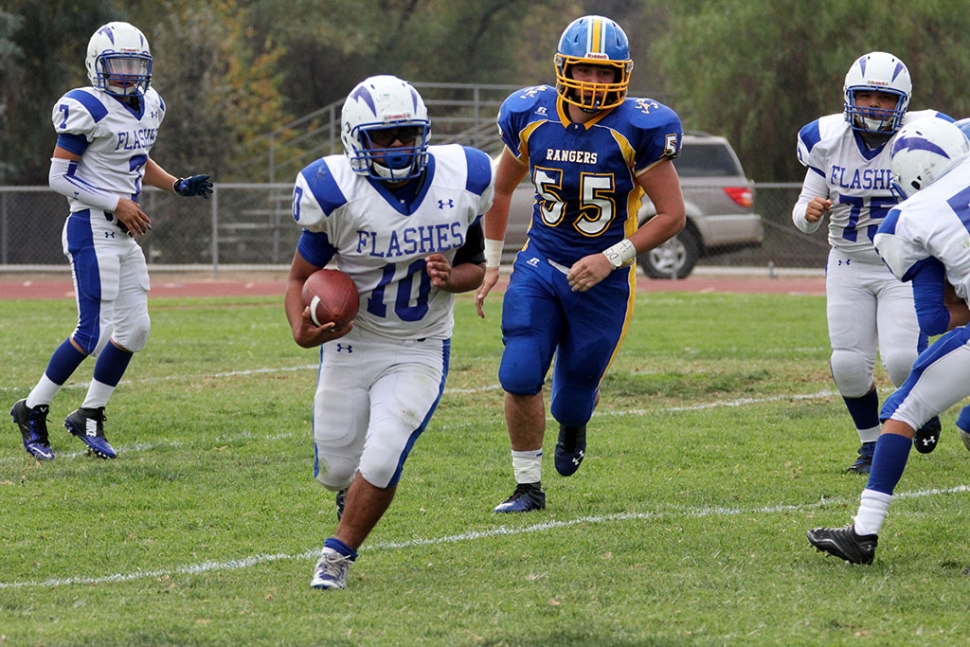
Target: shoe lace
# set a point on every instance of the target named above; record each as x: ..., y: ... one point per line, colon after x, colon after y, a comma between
x: 334, y: 566
x: 38, y: 422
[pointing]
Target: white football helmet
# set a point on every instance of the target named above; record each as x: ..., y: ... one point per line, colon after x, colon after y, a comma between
x: 879, y: 72
x: 923, y: 151
x: 379, y: 112
x: 119, y: 60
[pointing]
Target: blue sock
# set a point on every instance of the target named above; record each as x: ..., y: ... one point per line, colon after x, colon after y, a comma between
x: 888, y: 462
x: 963, y: 420
x: 64, y: 362
x: 111, y: 365
x: 864, y: 410
x: 341, y: 548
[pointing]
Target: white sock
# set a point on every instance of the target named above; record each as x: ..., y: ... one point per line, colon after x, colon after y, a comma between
x: 872, y: 512
x: 43, y: 393
x: 527, y: 466
x: 98, y: 394
x: 870, y: 435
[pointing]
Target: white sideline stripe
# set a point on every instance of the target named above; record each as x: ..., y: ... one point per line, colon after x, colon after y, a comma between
x: 501, y: 531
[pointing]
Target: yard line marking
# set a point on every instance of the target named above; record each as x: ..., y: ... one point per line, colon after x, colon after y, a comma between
x: 500, y: 531
x: 127, y: 449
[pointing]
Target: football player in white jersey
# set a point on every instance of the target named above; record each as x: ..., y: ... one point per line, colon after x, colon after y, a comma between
x: 591, y: 152
x: 925, y: 241
x: 403, y: 219
x: 105, y: 133
x: 848, y: 179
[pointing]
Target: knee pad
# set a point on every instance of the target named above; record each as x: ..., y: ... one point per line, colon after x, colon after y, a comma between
x: 572, y: 409
x: 851, y: 372
x: 88, y: 343
x: 132, y: 334
x: 521, y: 373
x: 334, y: 474
x: 898, y: 365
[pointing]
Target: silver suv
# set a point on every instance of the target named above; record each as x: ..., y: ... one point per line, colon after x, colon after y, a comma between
x: 720, y: 210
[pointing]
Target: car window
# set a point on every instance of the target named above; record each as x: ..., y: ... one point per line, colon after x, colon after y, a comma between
x: 704, y: 160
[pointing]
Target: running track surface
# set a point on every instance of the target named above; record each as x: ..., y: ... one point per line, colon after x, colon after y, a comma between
x: 54, y: 286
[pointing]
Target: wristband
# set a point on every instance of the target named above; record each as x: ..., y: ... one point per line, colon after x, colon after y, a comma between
x: 493, y: 252
x: 621, y: 254
x: 175, y: 186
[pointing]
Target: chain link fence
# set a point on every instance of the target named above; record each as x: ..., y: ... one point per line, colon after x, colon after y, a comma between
x: 250, y: 226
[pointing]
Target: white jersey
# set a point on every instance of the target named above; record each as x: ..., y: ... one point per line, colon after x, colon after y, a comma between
x: 383, y: 244
x: 119, y: 138
x: 858, y: 181
x: 932, y: 223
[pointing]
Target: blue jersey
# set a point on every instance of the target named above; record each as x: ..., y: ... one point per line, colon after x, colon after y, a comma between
x: 585, y: 175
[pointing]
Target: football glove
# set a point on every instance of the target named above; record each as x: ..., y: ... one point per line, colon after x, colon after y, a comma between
x: 191, y: 186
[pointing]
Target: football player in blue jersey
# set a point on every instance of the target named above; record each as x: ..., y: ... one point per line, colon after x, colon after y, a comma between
x: 925, y: 242
x: 591, y: 152
x: 848, y: 179
x: 105, y: 134
x: 403, y: 220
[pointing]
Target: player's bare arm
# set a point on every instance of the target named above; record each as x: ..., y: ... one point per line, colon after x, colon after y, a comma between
x: 509, y: 173
x: 463, y: 277
x: 305, y: 333
x: 662, y: 186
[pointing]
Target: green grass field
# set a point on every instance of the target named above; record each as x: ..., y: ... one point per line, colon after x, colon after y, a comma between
x: 717, y: 443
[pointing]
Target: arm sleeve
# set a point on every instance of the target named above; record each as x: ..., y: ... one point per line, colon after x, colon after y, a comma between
x: 814, y: 186
x: 473, y: 249
x: 931, y: 312
x: 64, y: 180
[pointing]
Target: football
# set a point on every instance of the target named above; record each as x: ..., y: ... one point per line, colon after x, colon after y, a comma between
x: 331, y: 295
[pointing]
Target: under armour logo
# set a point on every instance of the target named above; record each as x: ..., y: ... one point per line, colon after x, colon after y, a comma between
x: 446, y: 203
x: 348, y: 348
x: 847, y: 261
x: 534, y: 262
x: 578, y: 458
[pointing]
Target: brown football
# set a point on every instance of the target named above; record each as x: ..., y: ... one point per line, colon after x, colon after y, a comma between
x: 331, y: 295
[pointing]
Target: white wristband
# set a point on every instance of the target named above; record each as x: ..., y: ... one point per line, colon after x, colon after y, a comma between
x: 493, y: 252
x: 621, y: 254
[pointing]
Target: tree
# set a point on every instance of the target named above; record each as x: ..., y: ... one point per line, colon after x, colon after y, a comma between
x: 757, y: 71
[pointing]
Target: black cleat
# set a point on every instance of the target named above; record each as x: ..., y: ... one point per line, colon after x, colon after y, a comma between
x: 33, y: 428
x: 927, y: 436
x: 863, y: 464
x: 527, y: 497
x: 88, y: 425
x: 570, y: 449
x: 844, y: 543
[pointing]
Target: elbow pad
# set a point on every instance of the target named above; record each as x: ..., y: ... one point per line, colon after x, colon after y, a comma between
x: 63, y: 179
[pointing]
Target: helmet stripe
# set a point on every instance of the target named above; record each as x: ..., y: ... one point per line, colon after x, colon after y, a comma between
x: 595, y: 36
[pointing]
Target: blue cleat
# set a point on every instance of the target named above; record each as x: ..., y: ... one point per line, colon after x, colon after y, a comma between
x: 526, y: 498
x: 33, y: 428
x: 88, y: 425
x: 863, y: 464
x: 570, y: 449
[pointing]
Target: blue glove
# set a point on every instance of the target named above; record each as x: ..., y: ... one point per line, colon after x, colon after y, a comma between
x: 195, y: 185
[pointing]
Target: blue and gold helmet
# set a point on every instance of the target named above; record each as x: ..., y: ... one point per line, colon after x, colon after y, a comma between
x: 593, y: 40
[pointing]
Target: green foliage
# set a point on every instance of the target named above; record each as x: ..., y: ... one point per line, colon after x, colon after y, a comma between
x: 717, y: 443
x: 758, y: 71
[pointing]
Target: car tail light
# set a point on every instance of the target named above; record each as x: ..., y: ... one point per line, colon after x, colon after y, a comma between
x: 740, y: 194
